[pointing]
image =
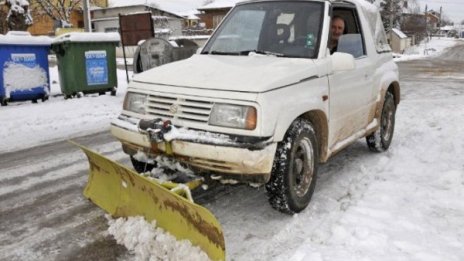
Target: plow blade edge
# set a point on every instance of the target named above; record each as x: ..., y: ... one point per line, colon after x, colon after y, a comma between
x: 124, y: 193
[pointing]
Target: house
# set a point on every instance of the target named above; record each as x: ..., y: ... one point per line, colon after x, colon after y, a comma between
x: 452, y: 31
x: 433, y: 20
x: 398, y: 40
x: 213, y: 13
x: 45, y: 25
x: 164, y: 22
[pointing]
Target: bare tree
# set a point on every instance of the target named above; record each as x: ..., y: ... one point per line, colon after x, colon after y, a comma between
x: 445, y: 20
x: 59, y: 10
x: 412, y: 7
x: 391, y: 11
x: 3, y: 23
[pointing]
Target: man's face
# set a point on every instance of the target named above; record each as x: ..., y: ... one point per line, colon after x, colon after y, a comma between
x: 337, y: 28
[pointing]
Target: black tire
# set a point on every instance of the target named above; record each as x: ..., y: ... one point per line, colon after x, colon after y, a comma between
x: 34, y: 101
x: 294, y: 173
x: 141, y: 167
x: 113, y: 92
x: 44, y: 98
x: 381, y: 139
x: 4, y: 102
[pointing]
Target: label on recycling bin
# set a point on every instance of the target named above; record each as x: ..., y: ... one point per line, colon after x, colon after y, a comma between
x: 26, y: 59
x: 96, y: 67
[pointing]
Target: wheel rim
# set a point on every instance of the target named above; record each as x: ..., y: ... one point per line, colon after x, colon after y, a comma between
x: 303, y: 167
x: 387, y: 122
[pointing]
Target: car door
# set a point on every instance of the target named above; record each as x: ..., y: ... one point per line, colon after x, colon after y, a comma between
x: 350, y: 91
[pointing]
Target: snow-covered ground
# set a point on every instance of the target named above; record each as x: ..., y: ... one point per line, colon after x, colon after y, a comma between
x: 425, y: 49
x: 405, y: 204
x: 25, y: 124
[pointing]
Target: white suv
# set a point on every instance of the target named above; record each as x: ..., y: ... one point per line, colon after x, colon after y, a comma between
x: 264, y: 100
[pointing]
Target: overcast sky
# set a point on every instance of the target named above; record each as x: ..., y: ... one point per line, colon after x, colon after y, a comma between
x: 453, y: 9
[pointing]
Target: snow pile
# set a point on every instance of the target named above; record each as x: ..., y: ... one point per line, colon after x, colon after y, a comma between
x: 149, y: 242
x: 13, y: 75
x: 431, y: 48
x: 197, y: 136
x: 24, y: 38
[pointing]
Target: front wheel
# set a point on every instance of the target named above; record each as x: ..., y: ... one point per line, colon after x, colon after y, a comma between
x: 381, y: 139
x: 294, y: 173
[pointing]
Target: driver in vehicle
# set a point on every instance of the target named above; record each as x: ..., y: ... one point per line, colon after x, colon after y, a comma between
x: 337, y: 29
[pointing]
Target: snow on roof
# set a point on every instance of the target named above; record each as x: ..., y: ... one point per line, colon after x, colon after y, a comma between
x: 87, y: 37
x: 447, y: 28
x: 192, y: 14
x: 24, y: 38
x: 178, y: 7
x: 220, y: 4
x: 399, y: 33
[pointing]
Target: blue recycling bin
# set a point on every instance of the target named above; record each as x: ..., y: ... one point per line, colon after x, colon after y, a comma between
x: 24, y: 67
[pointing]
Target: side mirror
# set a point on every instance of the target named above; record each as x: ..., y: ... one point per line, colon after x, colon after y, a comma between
x: 352, y: 44
x: 342, y: 62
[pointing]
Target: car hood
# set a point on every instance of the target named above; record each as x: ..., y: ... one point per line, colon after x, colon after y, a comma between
x: 252, y: 73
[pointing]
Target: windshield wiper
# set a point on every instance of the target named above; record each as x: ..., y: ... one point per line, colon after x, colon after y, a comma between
x: 261, y: 52
x: 223, y: 53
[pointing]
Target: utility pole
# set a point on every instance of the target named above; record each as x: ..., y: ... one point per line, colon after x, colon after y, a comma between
x: 426, y: 33
x: 87, y: 23
x: 426, y: 22
x: 439, y: 23
x: 391, y: 22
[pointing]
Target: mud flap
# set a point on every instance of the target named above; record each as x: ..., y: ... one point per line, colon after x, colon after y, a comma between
x: 123, y: 193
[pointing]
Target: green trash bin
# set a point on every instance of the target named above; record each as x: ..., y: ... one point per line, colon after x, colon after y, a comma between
x: 86, y: 63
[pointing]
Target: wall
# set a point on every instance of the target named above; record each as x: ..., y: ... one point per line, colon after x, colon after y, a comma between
x: 212, y: 18
x: 105, y: 19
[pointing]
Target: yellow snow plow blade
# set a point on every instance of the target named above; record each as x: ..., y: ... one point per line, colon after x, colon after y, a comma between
x: 123, y: 193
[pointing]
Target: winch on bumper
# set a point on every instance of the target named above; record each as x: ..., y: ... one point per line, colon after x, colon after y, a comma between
x: 246, y: 159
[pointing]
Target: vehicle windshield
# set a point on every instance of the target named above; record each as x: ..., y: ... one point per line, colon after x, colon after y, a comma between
x: 283, y: 29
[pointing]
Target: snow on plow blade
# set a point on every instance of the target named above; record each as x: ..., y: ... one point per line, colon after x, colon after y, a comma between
x: 122, y: 192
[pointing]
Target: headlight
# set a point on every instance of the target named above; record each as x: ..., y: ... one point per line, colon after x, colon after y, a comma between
x: 234, y: 116
x: 135, y: 102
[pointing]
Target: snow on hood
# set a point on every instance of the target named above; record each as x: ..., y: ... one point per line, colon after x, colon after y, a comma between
x: 253, y: 73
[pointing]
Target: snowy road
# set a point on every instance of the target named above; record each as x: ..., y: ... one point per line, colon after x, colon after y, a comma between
x: 405, y: 204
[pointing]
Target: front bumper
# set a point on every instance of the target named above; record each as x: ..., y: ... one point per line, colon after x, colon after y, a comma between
x: 225, y: 157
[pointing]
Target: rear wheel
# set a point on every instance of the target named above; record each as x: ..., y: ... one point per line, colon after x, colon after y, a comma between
x: 140, y: 166
x: 294, y: 172
x: 3, y: 102
x: 381, y: 139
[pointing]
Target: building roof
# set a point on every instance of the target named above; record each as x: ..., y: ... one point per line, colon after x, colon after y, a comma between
x: 219, y: 4
x: 177, y: 7
x: 399, y: 33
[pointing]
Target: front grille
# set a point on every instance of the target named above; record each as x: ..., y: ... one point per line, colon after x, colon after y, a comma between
x: 176, y: 108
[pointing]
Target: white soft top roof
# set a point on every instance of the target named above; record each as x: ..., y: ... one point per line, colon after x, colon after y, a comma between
x: 24, y: 38
x: 87, y: 37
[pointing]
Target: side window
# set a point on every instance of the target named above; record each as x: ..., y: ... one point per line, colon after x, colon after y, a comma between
x: 352, y: 41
